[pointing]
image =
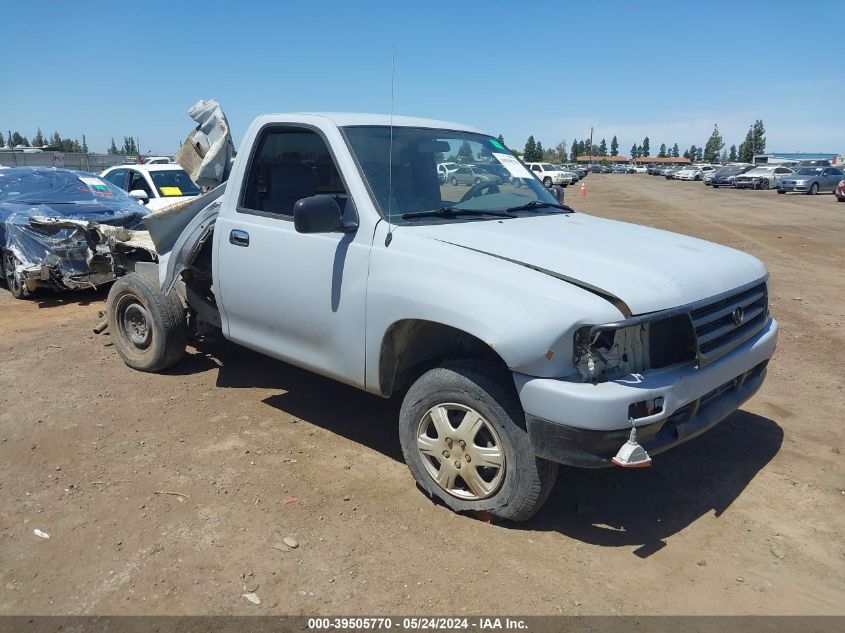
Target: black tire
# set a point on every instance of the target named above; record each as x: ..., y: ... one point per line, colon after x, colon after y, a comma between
x: 764, y: 184
x: 715, y: 186
x: 148, y: 328
x: 814, y: 189
x: 8, y: 263
x: 781, y: 191
x: 477, y: 180
x: 454, y: 181
x: 547, y: 181
x: 527, y: 480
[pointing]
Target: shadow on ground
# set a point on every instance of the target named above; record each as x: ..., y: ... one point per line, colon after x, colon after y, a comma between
x: 617, y: 507
x: 608, y: 507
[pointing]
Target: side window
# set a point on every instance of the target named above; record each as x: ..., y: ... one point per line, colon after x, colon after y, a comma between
x: 117, y: 178
x: 535, y: 168
x: 137, y: 181
x: 290, y: 164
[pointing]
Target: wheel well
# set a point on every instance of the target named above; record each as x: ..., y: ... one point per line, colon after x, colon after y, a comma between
x: 412, y: 346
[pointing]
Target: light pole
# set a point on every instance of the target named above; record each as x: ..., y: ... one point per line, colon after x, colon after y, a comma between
x: 591, y: 144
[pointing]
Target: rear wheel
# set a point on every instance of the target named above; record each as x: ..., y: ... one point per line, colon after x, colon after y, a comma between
x: 463, y: 436
x: 16, y: 287
x: 149, y: 328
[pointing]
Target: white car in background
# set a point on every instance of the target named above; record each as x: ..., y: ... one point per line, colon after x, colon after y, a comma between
x: 763, y: 177
x: 694, y: 172
x: 566, y: 170
x: 550, y: 175
x: 445, y: 170
x: 156, y: 186
x: 157, y: 160
x: 639, y: 169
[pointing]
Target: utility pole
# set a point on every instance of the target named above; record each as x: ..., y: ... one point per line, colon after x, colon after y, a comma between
x: 591, y: 144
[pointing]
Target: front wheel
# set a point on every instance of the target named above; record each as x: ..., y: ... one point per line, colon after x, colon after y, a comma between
x: 9, y: 264
x: 814, y: 189
x: 463, y: 436
x: 764, y: 184
x: 148, y: 327
x: 454, y: 181
x: 547, y: 181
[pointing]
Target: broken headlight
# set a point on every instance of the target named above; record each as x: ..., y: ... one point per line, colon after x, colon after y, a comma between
x: 606, y: 354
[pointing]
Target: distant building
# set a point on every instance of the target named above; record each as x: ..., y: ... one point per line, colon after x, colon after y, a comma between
x: 778, y: 158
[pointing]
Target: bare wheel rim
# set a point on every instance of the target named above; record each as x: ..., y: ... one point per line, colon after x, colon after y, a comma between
x: 461, y: 451
x: 10, y: 263
x: 135, y: 323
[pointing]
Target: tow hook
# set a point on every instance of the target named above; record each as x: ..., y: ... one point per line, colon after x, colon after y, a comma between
x: 631, y: 454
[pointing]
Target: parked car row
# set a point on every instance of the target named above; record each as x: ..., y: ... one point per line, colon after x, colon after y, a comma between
x: 494, y: 173
x: 808, y: 177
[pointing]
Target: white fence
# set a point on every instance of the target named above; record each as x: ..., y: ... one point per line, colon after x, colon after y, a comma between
x: 82, y: 162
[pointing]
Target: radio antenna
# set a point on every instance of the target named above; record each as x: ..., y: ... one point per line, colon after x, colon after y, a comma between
x: 389, y: 237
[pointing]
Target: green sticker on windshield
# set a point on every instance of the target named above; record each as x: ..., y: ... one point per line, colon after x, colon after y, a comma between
x: 496, y: 144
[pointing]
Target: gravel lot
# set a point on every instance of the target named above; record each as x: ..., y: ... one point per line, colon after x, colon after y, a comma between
x: 166, y: 493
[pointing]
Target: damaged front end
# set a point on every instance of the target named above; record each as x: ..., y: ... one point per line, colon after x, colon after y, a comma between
x: 66, y: 230
x: 65, y: 254
x: 608, y: 352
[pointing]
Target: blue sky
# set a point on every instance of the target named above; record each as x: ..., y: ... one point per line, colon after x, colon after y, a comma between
x: 669, y: 70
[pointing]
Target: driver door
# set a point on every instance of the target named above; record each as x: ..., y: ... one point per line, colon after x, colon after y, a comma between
x: 294, y: 296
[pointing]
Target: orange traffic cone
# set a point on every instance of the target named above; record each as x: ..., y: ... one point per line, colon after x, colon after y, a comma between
x: 583, y: 191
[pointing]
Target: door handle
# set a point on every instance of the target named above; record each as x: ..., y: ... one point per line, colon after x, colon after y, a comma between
x: 239, y: 238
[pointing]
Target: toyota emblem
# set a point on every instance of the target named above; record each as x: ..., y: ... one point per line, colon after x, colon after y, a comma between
x: 738, y: 316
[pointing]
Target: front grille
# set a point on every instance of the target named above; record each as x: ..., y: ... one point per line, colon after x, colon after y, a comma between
x: 725, y: 324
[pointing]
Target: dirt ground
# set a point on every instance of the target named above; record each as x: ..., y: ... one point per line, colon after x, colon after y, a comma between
x: 165, y: 494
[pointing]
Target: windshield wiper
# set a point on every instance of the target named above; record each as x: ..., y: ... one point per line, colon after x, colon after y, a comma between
x: 451, y: 212
x: 537, y: 204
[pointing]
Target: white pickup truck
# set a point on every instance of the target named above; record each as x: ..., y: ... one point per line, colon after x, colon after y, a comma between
x: 518, y: 333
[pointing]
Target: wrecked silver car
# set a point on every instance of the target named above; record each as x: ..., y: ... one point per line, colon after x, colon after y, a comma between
x: 62, y: 229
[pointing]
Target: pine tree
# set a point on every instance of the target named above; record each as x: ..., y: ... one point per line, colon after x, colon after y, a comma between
x: 112, y: 148
x: 746, y: 149
x: 758, y: 137
x: 686, y: 154
x: 538, y: 153
x: 645, y: 147
x: 2, y: 141
x: 662, y: 152
x: 464, y: 151
x: 573, y: 150
x: 17, y: 139
x: 603, y: 148
x: 9, y: 140
x: 530, y: 149
x: 676, y: 151
x: 732, y: 155
x: 56, y: 140
x: 692, y: 152
x: 501, y: 139
x: 714, y: 146
x: 84, y: 145
x: 699, y: 154
x: 634, y: 152
x: 38, y: 139
x: 614, y: 146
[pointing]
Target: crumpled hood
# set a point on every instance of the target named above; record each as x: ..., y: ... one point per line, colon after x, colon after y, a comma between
x: 649, y: 269
x: 112, y: 212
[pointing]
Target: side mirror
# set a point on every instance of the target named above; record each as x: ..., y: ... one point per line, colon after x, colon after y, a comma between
x: 557, y: 192
x: 140, y: 195
x: 319, y: 214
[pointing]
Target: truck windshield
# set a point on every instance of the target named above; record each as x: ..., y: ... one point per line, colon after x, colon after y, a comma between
x: 409, y: 183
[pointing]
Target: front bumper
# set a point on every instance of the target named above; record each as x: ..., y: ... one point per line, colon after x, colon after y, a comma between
x: 583, y: 424
x: 722, y: 183
x: 803, y: 188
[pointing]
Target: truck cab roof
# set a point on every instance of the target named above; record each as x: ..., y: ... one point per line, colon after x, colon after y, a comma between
x: 343, y: 119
